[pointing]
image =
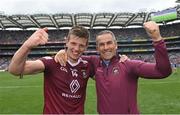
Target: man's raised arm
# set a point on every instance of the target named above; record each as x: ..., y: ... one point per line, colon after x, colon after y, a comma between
x: 162, y: 67
x: 19, y: 65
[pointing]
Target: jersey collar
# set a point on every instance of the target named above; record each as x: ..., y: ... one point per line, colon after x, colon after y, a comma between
x: 75, y: 64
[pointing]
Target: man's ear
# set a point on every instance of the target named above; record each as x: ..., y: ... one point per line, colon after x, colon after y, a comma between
x: 97, y: 48
x: 86, y: 47
x: 96, y: 44
x: 116, y: 45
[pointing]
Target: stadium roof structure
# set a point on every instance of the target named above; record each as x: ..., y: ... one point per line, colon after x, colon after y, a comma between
x: 63, y: 20
x: 177, y: 1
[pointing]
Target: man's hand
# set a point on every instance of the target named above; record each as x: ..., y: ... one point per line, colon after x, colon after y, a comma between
x: 123, y: 58
x: 61, y: 57
x: 152, y: 30
x: 19, y: 65
x: 40, y: 37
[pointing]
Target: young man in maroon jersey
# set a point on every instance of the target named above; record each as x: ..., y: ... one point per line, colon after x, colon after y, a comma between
x: 64, y: 87
x: 116, y: 83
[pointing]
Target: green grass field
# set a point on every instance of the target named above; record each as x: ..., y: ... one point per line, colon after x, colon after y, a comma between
x: 24, y: 96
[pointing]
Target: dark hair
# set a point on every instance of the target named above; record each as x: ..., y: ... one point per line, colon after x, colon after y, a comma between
x: 106, y: 32
x: 80, y: 32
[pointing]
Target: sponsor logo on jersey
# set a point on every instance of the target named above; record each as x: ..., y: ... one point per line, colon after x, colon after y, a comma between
x: 63, y: 69
x: 99, y: 69
x: 74, y: 86
x: 70, y: 96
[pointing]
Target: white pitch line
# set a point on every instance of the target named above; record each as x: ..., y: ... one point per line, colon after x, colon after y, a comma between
x: 148, y: 83
x: 13, y: 87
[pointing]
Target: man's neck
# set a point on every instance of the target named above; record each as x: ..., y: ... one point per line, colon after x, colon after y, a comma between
x: 72, y: 61
x: 106, y: 62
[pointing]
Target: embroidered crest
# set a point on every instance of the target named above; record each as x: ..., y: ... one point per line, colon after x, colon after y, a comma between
x: 115, y: 70
x: 84, y: 74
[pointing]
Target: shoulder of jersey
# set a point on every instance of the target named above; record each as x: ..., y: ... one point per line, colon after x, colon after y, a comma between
x: 47, y: 57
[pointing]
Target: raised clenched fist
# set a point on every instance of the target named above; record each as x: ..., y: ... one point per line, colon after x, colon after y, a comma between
x: 152, y: 30
x: 39, y: 37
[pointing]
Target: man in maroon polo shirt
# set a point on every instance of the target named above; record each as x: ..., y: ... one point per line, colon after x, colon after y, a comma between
x: 64, y: 87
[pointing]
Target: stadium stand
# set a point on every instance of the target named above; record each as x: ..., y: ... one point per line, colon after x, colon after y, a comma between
x: 133, y: 42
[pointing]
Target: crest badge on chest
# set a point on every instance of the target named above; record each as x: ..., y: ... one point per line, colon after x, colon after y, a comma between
x: 84, y: 74
x: 115, y: 70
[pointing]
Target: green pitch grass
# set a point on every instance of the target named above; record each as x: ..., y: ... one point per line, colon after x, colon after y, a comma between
x: 25, y: 96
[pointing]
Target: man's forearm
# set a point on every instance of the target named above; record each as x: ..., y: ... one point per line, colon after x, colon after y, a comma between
x: 17, y: 64
x: 162, y: 59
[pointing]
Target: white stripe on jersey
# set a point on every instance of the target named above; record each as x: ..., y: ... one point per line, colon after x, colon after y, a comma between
x: 48, y: 57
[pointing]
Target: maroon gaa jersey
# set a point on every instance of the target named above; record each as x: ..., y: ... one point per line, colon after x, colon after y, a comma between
x: 65, y: 86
